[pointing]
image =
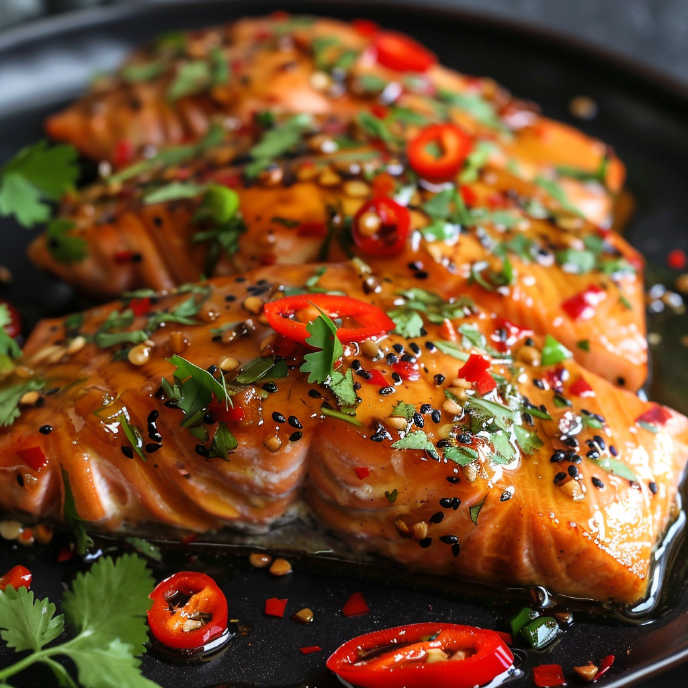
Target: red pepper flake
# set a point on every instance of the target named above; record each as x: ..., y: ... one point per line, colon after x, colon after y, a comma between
x: 312, y: 229
x: 407, y: 370
x: 188, y: 539
x: 584, y: 305
x: 64, y: 554
x: 655, y: 415
x: 365, y: 27
x: 222, y: 414
x: 485, y: 383
x: 380, y: 111
x: 362, y: 472
x: 33, y: 457
x: 549, y: 676
x: 677, y: 260
x: 140, y: 306
x: 507, y: 334
x: 495, y: 201
x: 383, y: 184
x: 123, y: 153
x: 469, y: 196
x: 231, y: 181
x: 356, y: 605
x: 605, y: 666
x: 285, y: 347
x: 122, y: 257
x: 580, y: 388
x: 506, y: 637
x: 275, y: 607
x: 377, y: 379
x: 474, y: 368
x: 555, y: 378
x: 268, y: 259
x: 308, y: 650
x: 448, y: 331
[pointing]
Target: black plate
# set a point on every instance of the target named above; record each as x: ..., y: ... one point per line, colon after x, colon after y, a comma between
x: 643, y: 116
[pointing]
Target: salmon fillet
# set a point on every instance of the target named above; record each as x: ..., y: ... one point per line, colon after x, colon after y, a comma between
x: 393, y: 472
x: 552, y: 270
x: 286, y: 65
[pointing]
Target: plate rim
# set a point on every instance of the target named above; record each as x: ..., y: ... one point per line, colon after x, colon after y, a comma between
x: 666, y: 90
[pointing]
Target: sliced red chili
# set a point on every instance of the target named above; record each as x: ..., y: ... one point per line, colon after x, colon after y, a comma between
x: 372, y: 321
x: 407, y: 370
x: 365, y: 27
x: 123, y: 152
x: 605, y: 666
x: 140, y: 306
x: 401, y: 53
x: 439, y: 151
x: 548, y: 676
x: 222, y: 414
x: 655, y: 415
x: 189, y: 610
x: 356, y: 605
x: 507, y: 334
x: 13, y: 327
x: 506, y: 637
x: 381, y: 227
x: 421, y: 655
x: 33, y: 457
x: 17, y: 577
x: 312, y: 229
x: 485, y: 383
x: 383, y: 184
x: 375, y: 377
x: 275, y: 607
x: 581, y: 388
x: 474, y: 368
x: 309, y: 650
x: 583, y: 306
x: 677, y: 259
x: 362, y: 472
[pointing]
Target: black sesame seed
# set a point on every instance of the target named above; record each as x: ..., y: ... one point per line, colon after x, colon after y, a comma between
x: 446, y: 502
x: 202, y: 451
x: 150, y: 448
x: 558, y: 456
x: 439, y: 379
x: 600, y: 442
x: 377, y: 437
x: 270, y: 387
x: 396, y: 377
x: 593, y: 454
x: 153, y: 416
x: 436, y: 517
x: 278, y: 417
x: 456, y: 503
x: 464, y: 438
x: 386, y: 390
x: 294, y: 422
x: 357, y: 386
x: 212, y: 369
x: 613, y: 450
x: 653, y: 487
x: 207, y: 419
x: 571, y: 442
x: 430, y: 346
x: 45, y: 429
x: 453, y: 479
x: 436, y: 416
x: 573, y: 471
x: 421, y: 275
x: 364, y: 374
x: 314, y: 394
x: 355, y: 364
x: 408, y: 358
x: 529, y: 341
x: 425, y: 542
x: 574, y: 458
x: 398, y: 348
x: 391, y: 359
x: 443, y: 443
x: 456, y: 549
x: 559, y: 477
x: 506, y: 496
x: 171, y: 403
x: 128, y: 452
x: 449, y: 539
x: 230, y: 297
x: 217, y: 338
x: 597, y: 483
x: 415, y: 348
x: 20, y: 479
x: 295, y: 436
x: 621, y: 381
x: 539, y: 383
x: 528, y: 418
x: 415, y: 265
x: 418, y: 420
x: 426, y: 408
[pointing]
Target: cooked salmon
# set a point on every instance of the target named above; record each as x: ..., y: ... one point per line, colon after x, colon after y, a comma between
x: 459, y: 444
x: 175, y: 89
x: 503, y: 241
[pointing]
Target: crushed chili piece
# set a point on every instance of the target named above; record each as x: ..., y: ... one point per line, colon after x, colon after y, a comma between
x: 275, y: 607
x: 356, y: 605
x: 548, y: 676
x: 362, y: 472
x: 308, y: 650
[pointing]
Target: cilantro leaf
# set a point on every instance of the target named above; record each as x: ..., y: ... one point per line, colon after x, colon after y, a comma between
x: 143, y: 71
x: 224, y: 442
x: 319, y: 364
x: 259, y: 368
x: 35, y: 175
x: 28, y: 624
x: 474, y: 511
x: 452, y: 349
x: 408, y: 319
x: 342, y: 385
x: 527, y: 440
x: 617, y: 468
x: 416, y: 440
x: 9, y: 400
x: 64, y: 247
x: 276, y: 142
x: 133, y: 434
x: 408, y: 323
x: 403, y: 410
x: 8, y: 345
x: 191, y: 78
x: 461, y: 455
x: 174, y: 191
x: 375, y: 127
x: 554, y: 190
x: 474, y: 104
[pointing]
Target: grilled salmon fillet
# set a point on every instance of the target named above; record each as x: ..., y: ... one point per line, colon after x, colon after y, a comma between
x: 466, y: 445
x: 504, y: 241
x: 173, y: 91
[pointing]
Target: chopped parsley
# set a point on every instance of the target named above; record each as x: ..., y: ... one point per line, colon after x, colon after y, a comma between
x: 277, y: 142
x: 63, y: 246
x: 416, y: 440
x: 319, y: 364
x: 408, y: 317
x: 553, y: 352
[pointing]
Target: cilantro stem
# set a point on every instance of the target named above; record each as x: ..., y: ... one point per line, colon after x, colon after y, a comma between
x: 341, y: 416
x: 37, y: 656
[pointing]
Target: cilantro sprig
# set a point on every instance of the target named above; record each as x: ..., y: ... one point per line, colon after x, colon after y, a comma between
x: 105, y: 611
x: 36, y: 175
x: 319, y: 364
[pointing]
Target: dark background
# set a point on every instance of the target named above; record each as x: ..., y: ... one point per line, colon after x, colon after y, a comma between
x: 652, y: 32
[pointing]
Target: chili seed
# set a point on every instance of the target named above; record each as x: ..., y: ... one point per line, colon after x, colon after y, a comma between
x: 304, y: 616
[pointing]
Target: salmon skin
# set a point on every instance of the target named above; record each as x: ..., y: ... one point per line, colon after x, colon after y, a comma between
x: 504, y: 241
x: 323, y: 67
x: 549, y: 476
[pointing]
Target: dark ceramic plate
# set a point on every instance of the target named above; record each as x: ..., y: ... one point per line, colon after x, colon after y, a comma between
x: 44, y: 65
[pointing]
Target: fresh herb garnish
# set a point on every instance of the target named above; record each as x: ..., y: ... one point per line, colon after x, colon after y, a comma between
x: 416, y: 440
x: 557, y: 193
x: 392, y: 496
x: 617, y: 468
x: 260, y: 368
x: 173, y: 191
x: 342, y: 386
x: 223, y: 443
x: 143, y: 71
x: 481, y: 110
x: 133, y: 434
x: 9, y: 399
x: 403, y: 410
x: 461, y: 455
x: 407, y: 317
x: 554, y: 352
x: 323, y: 337
x: 35, y: 175
x: 64, y: 247
x: 8, y: 345
x: 197, y: 76
x: 474, y: 511
x: 106, y: 608
x: 276, y: 142
x: 82, y: 540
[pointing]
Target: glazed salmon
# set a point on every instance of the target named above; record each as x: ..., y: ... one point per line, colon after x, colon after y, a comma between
x: 447, y: 449
x: 173, y: 91
x: 503, y: 241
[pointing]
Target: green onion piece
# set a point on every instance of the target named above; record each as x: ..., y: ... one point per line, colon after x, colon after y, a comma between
x: 518, y: 621
x: 554, y: 352
x: 541, y: 632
